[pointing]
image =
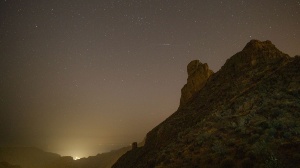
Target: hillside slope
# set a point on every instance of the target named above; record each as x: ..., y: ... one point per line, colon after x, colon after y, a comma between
x: 247, y: 115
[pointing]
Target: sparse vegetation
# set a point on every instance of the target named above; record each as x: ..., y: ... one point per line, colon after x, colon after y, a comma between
x: 247, y: 115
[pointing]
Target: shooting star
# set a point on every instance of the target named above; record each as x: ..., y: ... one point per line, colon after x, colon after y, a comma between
x: 165, y: 44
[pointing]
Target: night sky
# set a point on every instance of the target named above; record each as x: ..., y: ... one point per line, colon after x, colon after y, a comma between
x: 83, y: 77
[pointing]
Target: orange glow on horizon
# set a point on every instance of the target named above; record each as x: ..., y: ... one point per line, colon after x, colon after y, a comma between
x: 76, y: 158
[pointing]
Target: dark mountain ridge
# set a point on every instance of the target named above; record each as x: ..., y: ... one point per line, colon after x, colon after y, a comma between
x: 244, y: 115
x: 31, y: 157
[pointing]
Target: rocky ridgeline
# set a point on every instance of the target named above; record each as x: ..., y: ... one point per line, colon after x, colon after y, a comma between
x: 245, y: 115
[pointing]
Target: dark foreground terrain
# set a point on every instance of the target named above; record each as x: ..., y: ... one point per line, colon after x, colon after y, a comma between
x: 245, y: 115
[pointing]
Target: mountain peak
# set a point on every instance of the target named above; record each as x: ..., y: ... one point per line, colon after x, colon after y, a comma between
x: 255, y: 53
x: 244, y: 115
x: 256, y: 45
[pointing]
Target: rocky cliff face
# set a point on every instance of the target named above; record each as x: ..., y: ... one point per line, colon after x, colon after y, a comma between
x: 198, y: 74
x: 246, y: 115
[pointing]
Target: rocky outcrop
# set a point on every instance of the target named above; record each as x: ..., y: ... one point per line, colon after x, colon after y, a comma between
x: 134, y: 146
x: 198, y: 74
x: 246, y: 115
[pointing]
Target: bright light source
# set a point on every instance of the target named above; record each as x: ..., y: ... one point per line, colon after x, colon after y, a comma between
x: 76, y: 158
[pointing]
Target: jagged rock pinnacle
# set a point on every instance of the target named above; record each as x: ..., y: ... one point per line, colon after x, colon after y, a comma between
x: 198, y: 74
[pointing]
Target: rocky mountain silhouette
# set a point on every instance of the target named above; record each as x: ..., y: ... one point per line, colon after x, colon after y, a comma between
x: 245, y: 115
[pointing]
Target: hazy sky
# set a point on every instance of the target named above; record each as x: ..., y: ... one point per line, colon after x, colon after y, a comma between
x: 81, y: 77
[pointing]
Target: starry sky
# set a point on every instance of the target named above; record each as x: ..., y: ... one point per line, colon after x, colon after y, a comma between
x: 83, y: 77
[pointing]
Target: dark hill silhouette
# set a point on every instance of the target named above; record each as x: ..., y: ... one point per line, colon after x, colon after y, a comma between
x: 31, y: 157
x: 8, y: 165
x: 104, y: 160
x: 27, y: 157
x: 245, y: 115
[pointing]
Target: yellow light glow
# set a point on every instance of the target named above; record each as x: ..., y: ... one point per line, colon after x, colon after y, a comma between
x: 76, y: 158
